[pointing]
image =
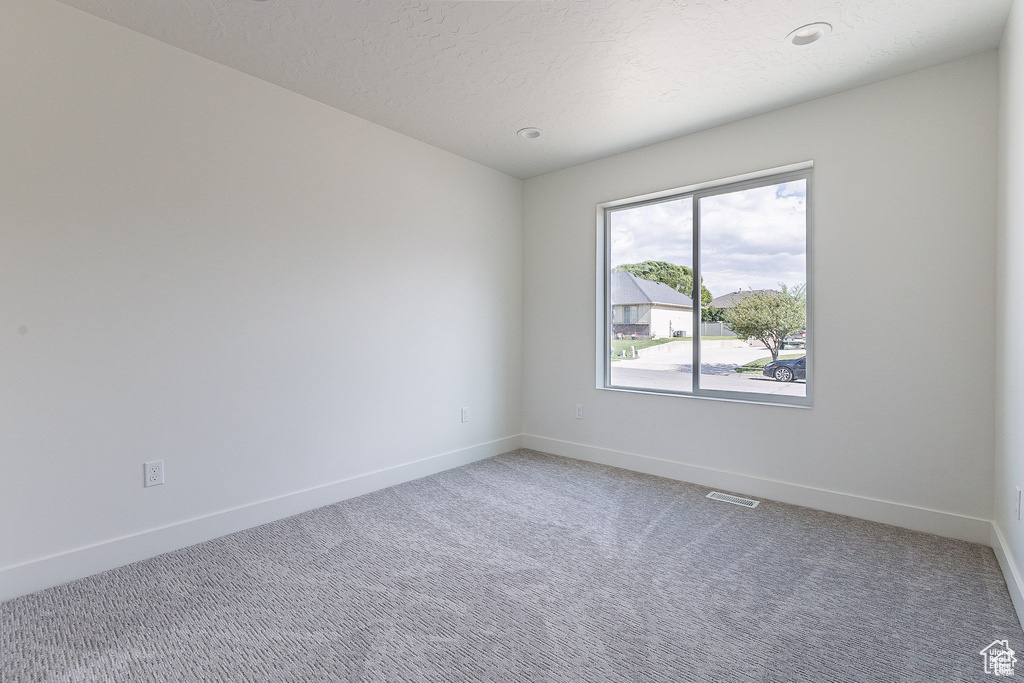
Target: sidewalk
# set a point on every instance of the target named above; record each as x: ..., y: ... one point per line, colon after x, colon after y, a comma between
x: 673, y: 372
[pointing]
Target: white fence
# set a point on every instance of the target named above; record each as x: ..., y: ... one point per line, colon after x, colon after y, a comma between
x: 716, y: 330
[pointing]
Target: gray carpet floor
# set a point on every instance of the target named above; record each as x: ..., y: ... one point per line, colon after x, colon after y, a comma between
x: 529, y: 567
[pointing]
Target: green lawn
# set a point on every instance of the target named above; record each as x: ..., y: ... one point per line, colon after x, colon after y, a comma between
x: 706, y: 337
x: 758, y: 365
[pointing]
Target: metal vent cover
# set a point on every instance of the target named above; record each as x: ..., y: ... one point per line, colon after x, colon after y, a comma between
x: 735, y: 500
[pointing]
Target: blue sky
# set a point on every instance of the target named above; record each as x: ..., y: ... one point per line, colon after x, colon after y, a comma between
x: 752, y: 239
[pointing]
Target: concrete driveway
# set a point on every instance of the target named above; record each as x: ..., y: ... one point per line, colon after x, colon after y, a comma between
x: 673, y: 372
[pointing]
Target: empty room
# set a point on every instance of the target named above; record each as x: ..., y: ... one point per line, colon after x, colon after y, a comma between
x: 511, y: 340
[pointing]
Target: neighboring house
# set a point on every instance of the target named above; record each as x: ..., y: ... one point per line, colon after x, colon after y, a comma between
x: 648, y: 309
x: 732, y: 298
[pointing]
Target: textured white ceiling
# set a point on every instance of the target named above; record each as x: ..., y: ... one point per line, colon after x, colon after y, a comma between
x: 597, y: 76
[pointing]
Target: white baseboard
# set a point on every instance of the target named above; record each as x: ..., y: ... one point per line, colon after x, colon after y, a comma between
x: 1010, y: 570
x: 53, y: 570
x: 907, y: 516
x: 34, y: 575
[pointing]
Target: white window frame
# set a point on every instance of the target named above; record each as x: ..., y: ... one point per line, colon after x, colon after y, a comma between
x: 800, y: 171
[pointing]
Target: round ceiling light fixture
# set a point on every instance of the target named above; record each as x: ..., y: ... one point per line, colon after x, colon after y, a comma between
x: 529, y: 133
x: 811, y: 33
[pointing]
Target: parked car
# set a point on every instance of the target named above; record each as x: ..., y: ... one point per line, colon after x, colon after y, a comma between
x: 797, y: 340
x: 787, y: 370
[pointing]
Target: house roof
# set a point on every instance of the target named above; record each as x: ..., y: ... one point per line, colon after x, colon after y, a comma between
x: 628, y: 289
x: 727, y: 300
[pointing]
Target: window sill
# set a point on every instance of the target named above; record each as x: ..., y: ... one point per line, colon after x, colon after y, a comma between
x: 704, y: 397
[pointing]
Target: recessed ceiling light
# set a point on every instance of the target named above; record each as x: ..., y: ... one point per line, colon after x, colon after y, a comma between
x: 811, y: 33
x: 529, y: 133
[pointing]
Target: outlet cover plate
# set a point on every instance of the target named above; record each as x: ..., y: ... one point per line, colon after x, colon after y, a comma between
x: 154, y: 473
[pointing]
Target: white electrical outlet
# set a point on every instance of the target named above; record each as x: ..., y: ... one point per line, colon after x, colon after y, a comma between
x: 579, y: 411
x: 154, y: 473
x: 465, y: 414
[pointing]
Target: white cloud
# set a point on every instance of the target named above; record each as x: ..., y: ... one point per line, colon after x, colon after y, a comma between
x: 750, y: 239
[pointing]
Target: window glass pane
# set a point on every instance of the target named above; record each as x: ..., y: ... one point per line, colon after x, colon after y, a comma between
x: 651, y: 320
x: 753, y: 258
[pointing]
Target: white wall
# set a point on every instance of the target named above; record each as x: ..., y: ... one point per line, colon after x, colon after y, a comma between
x: 1009, y: 471
x: 903, y: 209
x: 680, y: 320
x: 265, y: 292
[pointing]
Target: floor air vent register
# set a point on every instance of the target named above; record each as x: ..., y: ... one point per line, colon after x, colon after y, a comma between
x: 735, y: 500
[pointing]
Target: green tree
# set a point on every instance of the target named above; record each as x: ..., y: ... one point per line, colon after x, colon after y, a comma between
x: 770, y: 317
x: 679, y: 278
x: 712, y: 314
